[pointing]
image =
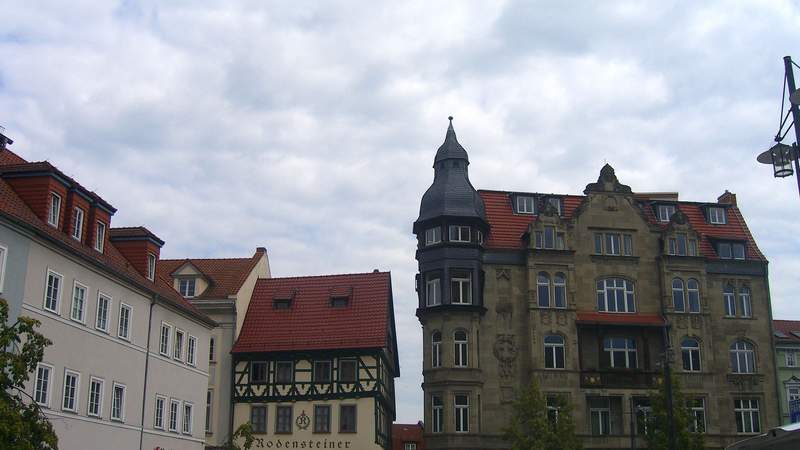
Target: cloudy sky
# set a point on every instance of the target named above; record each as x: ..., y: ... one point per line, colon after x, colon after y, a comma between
x: 310, y: 127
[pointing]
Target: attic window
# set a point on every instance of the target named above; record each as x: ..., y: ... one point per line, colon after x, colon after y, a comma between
x: 151, y: 266
x: 187, y: 287
x: 665, y: 212
x: 716, y: 215
x: 555, y: 203
x: 340, y: 301
x: 731, y: 250
x: 281, y: 303
x: 526, y: 205
x: 55, y: 209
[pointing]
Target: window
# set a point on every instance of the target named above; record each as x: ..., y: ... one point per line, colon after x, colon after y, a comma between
x: 553, y: 408
x: 738, y: 251
x: 178, y: 350
x: 644, y: 414
x: 158, y: 420
x: 41, y: 392
x: 186, y: 287
x: 553, y: 352
x: 71, y: 387
x: 436, y: 349
x: 55, y: 209
x: 347, y: 418
x: 693, y: 294
x: 283, y: 423
x: 677, y: 295
x: 103, y: 307
x: 744, y: 300
x: 164, y: 337
x: 729, y: 297
x: 174, y: 411
x: 437, y: 412
x: 100, y: 237
x: 95, y: 404
x: 681, y: 245
x: 459, y: 233
x: 621, y: 352
x: 78, y: 310
x: 791, y: 359
x: 461, y: 348
x: 52, y: 295
x: 151, y: 266
x: 543, y: 289
x: 284, y: 372
x: 77, y: 223
x: 282, y: 303
x: 191, y: 350
x: 322, y: 372
x: 716, y: 215
x: 339, y: 301
x: 211, y: 347
x: 410, y: 446
x: 123, y: 330
x: 549, y: 239
x: 258, y: 372
x: 258, y: 419
x: 615, y: 295
x: 792, y: 393
x: 665, y: 212
x: 555, y: 203
x: 188, y: 417
x: 600, y: 416
x: 613, y: 244
x: 730, y: 250
x: 209, y: 409
x: 347, y: 370
x: 560, y: 290
x: 690, y: 350
x: 526, y: 205
x: 742, y: 357
x: 433, y: 236
x: 118, y: 403
x: 322, y: 419
x: 697, y: 421
x: 747, y: 417
x: 433, y: 290
x: 3, y: 253
x: 461, y: 287
x: 462, y: 413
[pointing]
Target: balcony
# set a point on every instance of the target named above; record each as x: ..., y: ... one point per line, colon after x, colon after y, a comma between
x: 621, y: 379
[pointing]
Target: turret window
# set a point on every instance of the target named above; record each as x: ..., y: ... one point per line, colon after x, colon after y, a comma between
x: 461, y: 287
x: 526, y: 205
x: 436, y: 349
x: 433, y: 290
x: 433, y: 236
x: 461, y: 349
x: 459, y: 233
x: 437, y: 407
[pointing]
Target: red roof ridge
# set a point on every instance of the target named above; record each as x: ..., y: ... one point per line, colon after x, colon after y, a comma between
x: 327, y: 275
x: 204, y: 259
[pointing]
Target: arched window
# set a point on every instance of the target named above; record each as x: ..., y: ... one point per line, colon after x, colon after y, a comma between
x: 621, y: 352
x: 729, y: 297
x: 677, y: 295
x: 743, y: 358
x: 553, y: 352
x: 693, y: 294
x: 615, y: 295
x: 690, y: 350
x: 461, y: 348
x: 560, y: 290
x: 744, y: 300
x: 436, y: 350
x: 543, y: 289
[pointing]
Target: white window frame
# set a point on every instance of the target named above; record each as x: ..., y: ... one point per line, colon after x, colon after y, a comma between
x: 191, y: 350
x: 665, y: 209
x: 461, y: 281
x: 409, y: 446
x: 790, y: 395
x: 161, y: 343
x: 151, y: 266
x: 185, y: 292
x: 48, y: 384
x: 114, y: 386
x: 433, y: 290
x: 604, y: 426
x: 717, y: 215
x: 456, y: 233
x: 54, y: 213
x: 461, y: 350
x: 436, y: 350
x: 75, y: 286
x: 107, y: 318
x: 556, y: 203
x: 209, y: 410
x: 628, y: 287
x: 60, y: 290
x: 552, y: 349
x: 694, y: 410
x: 791, y: 358
x: 461, y: 413
x: 187, y: 423
x: 627, y: 350
x: 523, y: 202
x: 3, y: 259
x: 129, y: 308
x: 177, y: 350
x: 690, y: 350
x: 746, y: 301
x: 433, y: 236
x: 92, y: 382
x: 99, y: 236
x: 77, y: 223
x: 437, y: 411
x: 75, y: 391
x: 748, y: 412
x: 176, y: 415
x: 745, y: 357
x: 159, y: 424
x: 729, y: 300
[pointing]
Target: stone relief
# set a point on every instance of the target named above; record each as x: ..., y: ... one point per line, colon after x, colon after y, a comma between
x: 505, y: 350
x: 505, y: 315
x: 503, y: 274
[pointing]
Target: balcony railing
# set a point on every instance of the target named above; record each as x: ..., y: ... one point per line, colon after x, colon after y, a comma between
x: 621, y: 379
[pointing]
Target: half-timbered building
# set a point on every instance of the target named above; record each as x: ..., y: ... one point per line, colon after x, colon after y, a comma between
x: 315, y: 362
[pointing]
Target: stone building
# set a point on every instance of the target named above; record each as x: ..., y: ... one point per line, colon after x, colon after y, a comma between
x: 587, y: 293
x: 315, y: 362
x: 787, y: 352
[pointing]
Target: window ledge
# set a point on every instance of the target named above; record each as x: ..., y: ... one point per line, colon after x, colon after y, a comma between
x: 620, y: 258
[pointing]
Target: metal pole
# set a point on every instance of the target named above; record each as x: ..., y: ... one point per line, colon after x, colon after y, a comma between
x: 787, y: 63
x: 668, y: 386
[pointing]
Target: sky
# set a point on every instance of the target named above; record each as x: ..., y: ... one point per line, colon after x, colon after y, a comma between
x: 310, y: 128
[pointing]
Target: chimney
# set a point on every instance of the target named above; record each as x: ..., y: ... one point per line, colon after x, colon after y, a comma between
x: 727, y: 198
x: 140, y: 247
x: 4, y: 140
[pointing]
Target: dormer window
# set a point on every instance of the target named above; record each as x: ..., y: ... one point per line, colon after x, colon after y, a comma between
x: 339, y: 301
x: 281, y: 303
x: 151, y: 266
x: 100, y: 237
x: 716, y: 215
x: 549, y: 239
x: 681, y: 245
x: 55, y: 209
x: 433, y: 236
x: 665, y: 212
x: 555, y: 203
x: 526, y: 205
x: 731, y: 250
x: 459, y: 233
x: 77, y: 223
x: 186, y: 286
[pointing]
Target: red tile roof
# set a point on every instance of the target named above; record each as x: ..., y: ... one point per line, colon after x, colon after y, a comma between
x: 407, y: 432
x: 311, y: 323
x: 7, y: 157
x: 507, y: 227
x: 592, y: 317
x: 225, y: 275
x: 786, y: 327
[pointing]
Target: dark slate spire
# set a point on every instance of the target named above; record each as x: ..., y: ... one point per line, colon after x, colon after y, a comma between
x: 451, y: 193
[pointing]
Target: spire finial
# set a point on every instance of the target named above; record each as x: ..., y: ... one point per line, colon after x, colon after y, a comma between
x: 450, y: 118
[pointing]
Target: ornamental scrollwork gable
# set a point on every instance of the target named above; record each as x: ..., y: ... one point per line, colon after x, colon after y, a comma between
x: 679, y: 238
x: 548, y: 231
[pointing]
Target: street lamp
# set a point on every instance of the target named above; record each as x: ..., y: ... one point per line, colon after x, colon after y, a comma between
x: 780, y: 155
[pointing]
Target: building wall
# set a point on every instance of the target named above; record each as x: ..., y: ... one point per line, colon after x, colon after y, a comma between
x: 16, y: 261
x: 219, y: 381
x: 787, y: 376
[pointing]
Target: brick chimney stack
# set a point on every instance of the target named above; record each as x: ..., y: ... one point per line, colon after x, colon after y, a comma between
x: 727, y: 198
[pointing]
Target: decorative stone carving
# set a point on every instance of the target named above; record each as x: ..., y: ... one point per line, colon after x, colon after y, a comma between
x: 746, y: 381
x: 503, y: 274
x: 505, y: 315
x: 607, y: 182
x: 561, y: 318
x: 696, y: 322
x: 506, y: 352
x: 680, y: 322
x: 611, y: 204
x: 545, y: 315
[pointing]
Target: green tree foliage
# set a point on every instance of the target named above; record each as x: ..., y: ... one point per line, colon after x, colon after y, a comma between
x: 243, y: 433
x: 23, y: 426
x: 658, y: 430
x: 535, y: 427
